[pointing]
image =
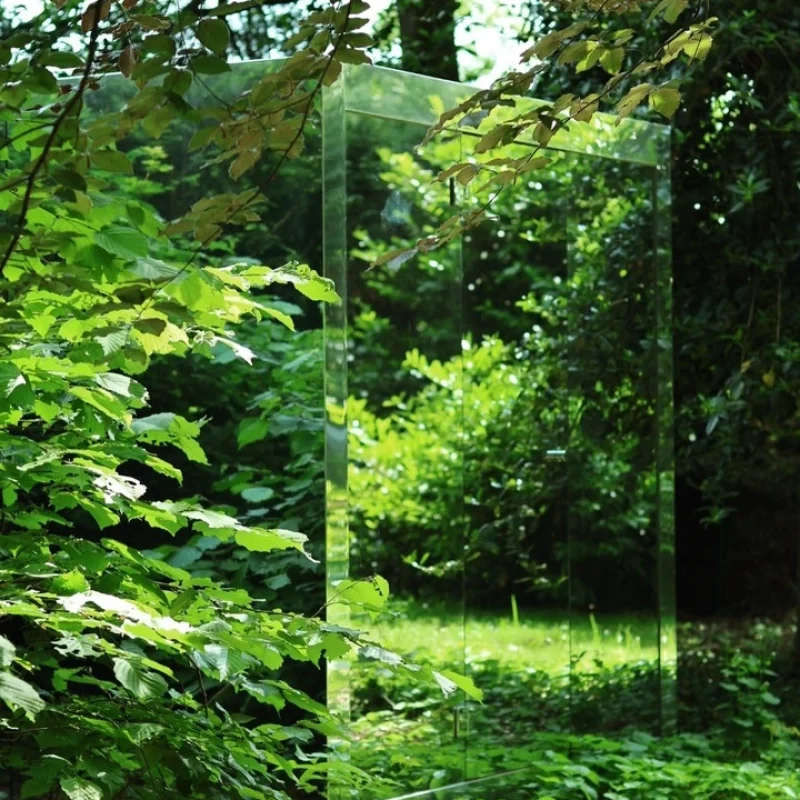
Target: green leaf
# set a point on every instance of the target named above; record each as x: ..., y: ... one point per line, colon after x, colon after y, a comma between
x: 118, y: 384
x: 259, y: 540
x: 141, y: 683
x: 202, y: 137
x: 140, y: 732
x: 112, y: 342
x: 152, y: 269
x: 154, y: 326
x: 70, y: 179
x: 257, y: 494
x: 611, y: 60
x: 103, y: 516
x: 7, y: 652
x: 70, y: 583
x: 252, y: 430
x: 491, y: 140
x: 332, y: 72
x: 126, y: 243
x: 698, y: 47
x: 103, y: 401
x: 158, y: 120
x: 368, y: 595
x: 666, y: 101
x: 9, y: 497
x: 374, y: 653
x: 213, y: 519
x: 347, y: 55
x: 112, y: 161
x: 80, y: 789
x: 209, y: 65
x: 671, y: 9
x: 88, y: 555
x: 284, y: 319
x: 63, y: 60
x: 214, y: 34
x: 193, y: 290
x: 358, y: 39
x: 307, y: 282
x: 19, y: 694
x: 462, y: 682
x: 635, y: 96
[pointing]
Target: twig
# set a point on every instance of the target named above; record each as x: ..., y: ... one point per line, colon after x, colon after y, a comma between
x: 66, y: 112
x: 272, y: 174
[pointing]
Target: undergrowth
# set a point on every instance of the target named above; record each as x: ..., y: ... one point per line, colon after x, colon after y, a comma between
x: 591, y: 732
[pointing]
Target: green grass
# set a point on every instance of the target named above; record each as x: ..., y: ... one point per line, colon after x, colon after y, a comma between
x: 590, y: 737
x: 524, y: 640
x: 520, y: 659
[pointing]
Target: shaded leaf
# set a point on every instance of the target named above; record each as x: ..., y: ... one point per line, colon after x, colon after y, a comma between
x: 213, y: 34
x: 80, y: 789
x: 141, y: 683
x: 19, y: 694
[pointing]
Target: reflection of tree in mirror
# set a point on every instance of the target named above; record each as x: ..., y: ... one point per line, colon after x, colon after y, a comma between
x: 455, y: 491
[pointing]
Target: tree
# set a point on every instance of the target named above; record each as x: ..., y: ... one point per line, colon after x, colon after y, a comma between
x: 427, y: 37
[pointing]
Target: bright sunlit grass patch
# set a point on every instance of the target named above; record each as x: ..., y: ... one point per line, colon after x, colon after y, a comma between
x: 525, y: 640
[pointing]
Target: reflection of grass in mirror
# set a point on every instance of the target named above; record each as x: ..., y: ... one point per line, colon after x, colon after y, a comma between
x: 405, y: 731
x: 435, y: 633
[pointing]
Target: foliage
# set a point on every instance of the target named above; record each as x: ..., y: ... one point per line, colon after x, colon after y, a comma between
x: 501, y: 116
x: 450, y: 452
x: 268, y: 460
x: 179, y: 674
x: 738, y: 424
x: 751, y: 753
x: 123, y: 674
x: 734, y: 203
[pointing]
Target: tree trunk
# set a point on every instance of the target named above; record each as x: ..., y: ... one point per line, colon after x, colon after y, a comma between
x: 792, y: 502
x: 427, y: 36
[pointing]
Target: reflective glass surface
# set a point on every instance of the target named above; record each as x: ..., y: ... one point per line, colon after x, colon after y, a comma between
x: 508, y: 451
x: 405, y: 448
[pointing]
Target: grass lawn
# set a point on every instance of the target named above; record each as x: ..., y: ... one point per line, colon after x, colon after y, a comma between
x: 441, y: 634
x: 586, y: 733
x: 521, y: 661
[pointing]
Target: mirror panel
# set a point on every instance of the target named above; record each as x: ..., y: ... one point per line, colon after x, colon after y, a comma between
x: 613, y: 514
x: 405, y: 462
x: 515, y: 433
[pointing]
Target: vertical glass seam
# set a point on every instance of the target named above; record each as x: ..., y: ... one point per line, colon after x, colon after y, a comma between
x: 337, y: 539
x: 667, y: 632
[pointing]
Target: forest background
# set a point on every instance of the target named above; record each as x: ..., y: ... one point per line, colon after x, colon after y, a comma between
x: 734, y: 165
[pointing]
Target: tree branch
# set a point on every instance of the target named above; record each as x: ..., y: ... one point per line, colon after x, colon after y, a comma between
x: 41, y: 162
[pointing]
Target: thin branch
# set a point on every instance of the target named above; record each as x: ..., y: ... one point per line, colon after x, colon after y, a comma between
x: 203, y: 691
x: 273, y: 172
x: 65, y: 113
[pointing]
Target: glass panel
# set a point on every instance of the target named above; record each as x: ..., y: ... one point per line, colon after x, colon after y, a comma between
x: 545, y: 503
x: 405, y: 485
x: 613, y: 447
x: 515, y: 422
x: 337, y: 541
x: 550, y: 773
x: 668, y: 639
x: 397, y: 95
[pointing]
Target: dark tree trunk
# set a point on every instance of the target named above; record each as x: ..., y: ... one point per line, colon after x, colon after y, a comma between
x: 427, y: 36
x: 792, y: 503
